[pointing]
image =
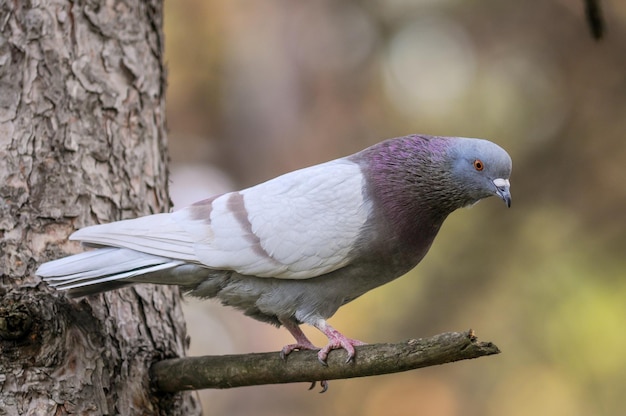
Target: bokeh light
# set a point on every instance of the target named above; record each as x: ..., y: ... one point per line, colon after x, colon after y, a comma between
x: 430, y: 65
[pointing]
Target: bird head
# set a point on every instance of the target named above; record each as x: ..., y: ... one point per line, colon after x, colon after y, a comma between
x: 480, y: 169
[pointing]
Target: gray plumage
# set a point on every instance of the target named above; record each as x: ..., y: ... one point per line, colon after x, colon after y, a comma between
x: 294, y: 249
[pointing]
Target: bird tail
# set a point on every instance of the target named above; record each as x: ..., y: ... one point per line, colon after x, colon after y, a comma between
x: 110, y: 268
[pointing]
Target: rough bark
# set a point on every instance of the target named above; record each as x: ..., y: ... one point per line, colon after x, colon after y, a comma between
x: 82, y: 141
x: 221, y: 372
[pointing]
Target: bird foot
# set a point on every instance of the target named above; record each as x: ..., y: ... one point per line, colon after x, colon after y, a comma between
x: 338, y: 341
x: 302, y: 345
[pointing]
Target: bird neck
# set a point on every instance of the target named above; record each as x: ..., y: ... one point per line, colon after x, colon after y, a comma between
x: 409, y: 183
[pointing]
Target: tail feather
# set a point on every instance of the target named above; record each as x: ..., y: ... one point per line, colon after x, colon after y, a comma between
x: 102, y: 269
x: 95, y: 289
x: 95, y: 263
x: 72, y: 283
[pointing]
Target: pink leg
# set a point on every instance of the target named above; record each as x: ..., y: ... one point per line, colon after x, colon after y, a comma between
x: 336, y: 340
x: 302, y: 342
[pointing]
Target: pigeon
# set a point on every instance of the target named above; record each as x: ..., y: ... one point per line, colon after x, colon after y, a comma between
x: 294, y: 249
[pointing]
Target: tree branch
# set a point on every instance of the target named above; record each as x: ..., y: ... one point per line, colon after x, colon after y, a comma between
x: 220, y: 372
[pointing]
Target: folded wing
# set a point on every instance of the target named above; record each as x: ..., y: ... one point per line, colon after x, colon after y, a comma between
x: 300, y: 225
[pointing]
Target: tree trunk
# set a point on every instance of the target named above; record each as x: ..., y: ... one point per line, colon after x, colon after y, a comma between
x: 82, y: 141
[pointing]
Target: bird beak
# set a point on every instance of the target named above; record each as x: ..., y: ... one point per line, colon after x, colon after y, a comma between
x: 502, y: 190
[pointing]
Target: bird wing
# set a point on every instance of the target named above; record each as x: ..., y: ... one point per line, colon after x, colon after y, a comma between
x: 297, y: 226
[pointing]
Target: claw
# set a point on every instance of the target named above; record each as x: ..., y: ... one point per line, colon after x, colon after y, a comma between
x: 302, y: 342
x: 288, y: 349
x: 323, y: 384
x: 336, y: 340
x: 321, y: 360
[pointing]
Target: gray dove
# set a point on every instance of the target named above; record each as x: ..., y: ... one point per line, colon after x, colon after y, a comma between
x: 292, y: 250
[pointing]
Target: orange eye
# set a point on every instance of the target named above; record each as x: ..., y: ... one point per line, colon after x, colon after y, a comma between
x: 478, y: 165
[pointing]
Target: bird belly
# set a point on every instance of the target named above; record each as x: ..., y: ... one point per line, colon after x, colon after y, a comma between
x: 302, y: 300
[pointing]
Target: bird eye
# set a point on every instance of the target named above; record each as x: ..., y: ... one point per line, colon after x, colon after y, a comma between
x: 478, y: 165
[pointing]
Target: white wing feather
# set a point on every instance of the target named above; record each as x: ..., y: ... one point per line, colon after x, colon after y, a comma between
x: 315, y: 221
x: 299, y: 225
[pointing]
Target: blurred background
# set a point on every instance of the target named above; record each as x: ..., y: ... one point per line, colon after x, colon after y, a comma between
x: 259, y: 88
